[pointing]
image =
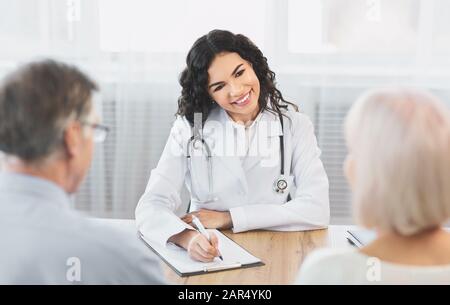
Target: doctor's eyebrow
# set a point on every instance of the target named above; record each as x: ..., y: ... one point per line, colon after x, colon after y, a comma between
x: 233, y: 73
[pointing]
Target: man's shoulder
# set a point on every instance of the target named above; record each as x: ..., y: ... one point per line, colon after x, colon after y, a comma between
x: 110, y: 253
x: 112, y: 239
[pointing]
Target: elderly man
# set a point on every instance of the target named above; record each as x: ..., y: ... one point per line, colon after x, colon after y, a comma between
x: 47, y: 128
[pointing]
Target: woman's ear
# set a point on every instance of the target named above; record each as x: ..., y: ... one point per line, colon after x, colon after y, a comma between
x: 349, y: 169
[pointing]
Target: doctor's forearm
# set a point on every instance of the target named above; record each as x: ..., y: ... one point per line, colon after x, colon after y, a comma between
x: 287, y: 217
x: 211, y: 219
x: 183, y: 238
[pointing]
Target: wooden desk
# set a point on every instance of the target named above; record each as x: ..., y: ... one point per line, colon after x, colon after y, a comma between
x: 282, y: 253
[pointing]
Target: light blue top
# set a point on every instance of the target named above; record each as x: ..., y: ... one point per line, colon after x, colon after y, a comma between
x: 43, y: 241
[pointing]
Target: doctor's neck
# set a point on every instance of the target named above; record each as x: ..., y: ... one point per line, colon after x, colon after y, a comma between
x: 244, y: 119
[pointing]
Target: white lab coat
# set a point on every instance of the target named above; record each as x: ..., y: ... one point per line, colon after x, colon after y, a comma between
x: 243, y: 188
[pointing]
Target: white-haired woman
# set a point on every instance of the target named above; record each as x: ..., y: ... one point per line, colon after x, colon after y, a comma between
x: 398, y: 168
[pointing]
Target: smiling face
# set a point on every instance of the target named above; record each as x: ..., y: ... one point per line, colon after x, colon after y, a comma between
x: 234, y: 86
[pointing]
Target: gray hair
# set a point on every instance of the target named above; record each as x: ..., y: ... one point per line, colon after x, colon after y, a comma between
x: 36, y: 102
x: 400, y: 141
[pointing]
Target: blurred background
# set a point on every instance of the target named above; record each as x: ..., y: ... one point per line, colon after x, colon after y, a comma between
x: 324, y: 52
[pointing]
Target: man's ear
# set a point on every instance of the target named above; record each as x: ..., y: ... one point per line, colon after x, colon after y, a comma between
x: 72, y: 138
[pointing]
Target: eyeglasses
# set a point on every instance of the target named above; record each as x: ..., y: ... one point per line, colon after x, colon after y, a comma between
x: 100, y: 131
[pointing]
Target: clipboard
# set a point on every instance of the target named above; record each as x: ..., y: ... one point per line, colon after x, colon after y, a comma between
x: 235, y: 257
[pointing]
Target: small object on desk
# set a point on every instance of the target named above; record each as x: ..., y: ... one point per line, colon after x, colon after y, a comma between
x: 360, y: 237
x: 363, y: 237
x: 202, y: 230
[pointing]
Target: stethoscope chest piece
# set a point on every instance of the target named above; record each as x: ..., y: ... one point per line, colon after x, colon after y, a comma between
x: 280, y: 184
x: 197, y: 143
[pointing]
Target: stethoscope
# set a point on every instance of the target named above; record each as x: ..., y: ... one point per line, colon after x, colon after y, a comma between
x: 197, y: 142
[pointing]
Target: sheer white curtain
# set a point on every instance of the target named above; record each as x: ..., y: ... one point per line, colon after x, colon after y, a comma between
x: 325, y: 53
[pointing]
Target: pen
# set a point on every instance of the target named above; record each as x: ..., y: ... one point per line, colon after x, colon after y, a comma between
x: 202, y: 230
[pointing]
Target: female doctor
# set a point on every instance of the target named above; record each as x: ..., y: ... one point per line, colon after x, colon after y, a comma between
x: 241, y: 150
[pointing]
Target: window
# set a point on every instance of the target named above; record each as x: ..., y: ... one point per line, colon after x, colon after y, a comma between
x: 402, y: 36
x: 20, y: 28
x: 353, y: 26
x: 440, y: 34
x: 172, y: 25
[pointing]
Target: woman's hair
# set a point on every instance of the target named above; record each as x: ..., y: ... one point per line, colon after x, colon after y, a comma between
x: 400, y: 141
x: 194, y: 79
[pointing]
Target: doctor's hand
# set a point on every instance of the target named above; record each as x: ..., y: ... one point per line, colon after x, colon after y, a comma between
x: 197, y: 245
x: 210, y: 219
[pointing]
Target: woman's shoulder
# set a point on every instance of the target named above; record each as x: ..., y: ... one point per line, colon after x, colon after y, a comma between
x: 333, y: 262
x: 181, y: 122
x: 182, y: 128
x: 180, y: 132
x: 297, y: 117
x: 329, y: 256
x: 298, y: 123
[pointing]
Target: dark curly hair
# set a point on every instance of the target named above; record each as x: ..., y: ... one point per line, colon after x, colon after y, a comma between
x: 194, y: 79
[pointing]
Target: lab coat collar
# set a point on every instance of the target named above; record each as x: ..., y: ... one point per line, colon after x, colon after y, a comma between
x: 42, y: 189
x: 240, y: 126
x: 269, y: 120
